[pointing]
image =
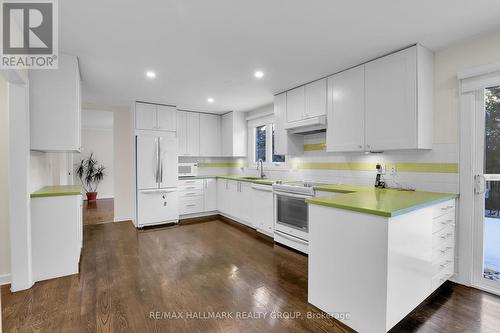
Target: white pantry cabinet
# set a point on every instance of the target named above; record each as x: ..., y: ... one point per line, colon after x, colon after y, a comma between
x: 188, y: 133
x: 262, y: 209
x: 234, y: 134
x: 55, y: 107
x: 210, y: 135
x: 155, y: 117
x: 399, y: 100
x: 285, y: 143
x: 346, y: 111
x: 306, y: 101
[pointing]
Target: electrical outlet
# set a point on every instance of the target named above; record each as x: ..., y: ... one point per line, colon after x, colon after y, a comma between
x: 393, y: 169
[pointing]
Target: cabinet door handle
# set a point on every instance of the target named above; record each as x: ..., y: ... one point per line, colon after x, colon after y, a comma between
x: 446, y: 249
x: 360, y: 147
x: 368, y: 146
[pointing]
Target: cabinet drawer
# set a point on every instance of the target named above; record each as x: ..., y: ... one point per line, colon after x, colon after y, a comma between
x: 443, y: 263
x: 190, y: 205
x: 441, y: 222
x: 190, y: 181
x: 189, y: 185
x: 190, y: 193
x: 444, y: 236
x: 443, y: 208
x: 442, y: 276
x: 443, y: 250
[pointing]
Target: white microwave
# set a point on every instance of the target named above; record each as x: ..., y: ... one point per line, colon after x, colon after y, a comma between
x: 188, y: 169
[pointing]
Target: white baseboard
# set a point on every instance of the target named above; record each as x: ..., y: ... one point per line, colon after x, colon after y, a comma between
x: 122, y: 219
x: 203, y: 214
x: 98, y: 197
x: 4, y: 279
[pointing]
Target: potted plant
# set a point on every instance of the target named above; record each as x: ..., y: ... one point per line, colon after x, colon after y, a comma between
x: 90, y: 175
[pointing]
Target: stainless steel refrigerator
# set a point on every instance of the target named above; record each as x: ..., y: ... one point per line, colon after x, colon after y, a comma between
x: 157, y: 178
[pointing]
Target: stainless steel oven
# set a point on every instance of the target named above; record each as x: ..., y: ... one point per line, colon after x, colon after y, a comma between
x: 291, y: 219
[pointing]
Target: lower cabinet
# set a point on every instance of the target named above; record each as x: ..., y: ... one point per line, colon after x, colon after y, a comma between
x: 57, y: 235
x: 262, y: 209
x: 197, y: 196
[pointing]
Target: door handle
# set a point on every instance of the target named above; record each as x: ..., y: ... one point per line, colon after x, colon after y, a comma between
x: 479, y: 184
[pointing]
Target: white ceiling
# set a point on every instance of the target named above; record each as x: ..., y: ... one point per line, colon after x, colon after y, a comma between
x: 211, y: 48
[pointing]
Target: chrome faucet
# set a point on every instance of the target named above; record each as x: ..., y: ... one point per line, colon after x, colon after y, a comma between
x: 261, y: 162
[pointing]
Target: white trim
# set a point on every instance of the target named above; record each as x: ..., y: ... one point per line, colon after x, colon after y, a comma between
x: 122, y: 219
x: 260, y: 115
x: 478, y: 71
x: 479, y: 82
x: 4, y: 279
x: 195, y: 215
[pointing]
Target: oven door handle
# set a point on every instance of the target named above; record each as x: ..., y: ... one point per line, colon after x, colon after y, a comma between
x: 288, y: 194
x: 294, y: 239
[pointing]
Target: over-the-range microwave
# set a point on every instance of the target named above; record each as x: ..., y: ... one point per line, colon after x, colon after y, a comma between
x: 188, y: 169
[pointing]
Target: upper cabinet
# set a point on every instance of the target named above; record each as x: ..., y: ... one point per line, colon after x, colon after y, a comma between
x: 210, y: 135
x: 155, y: 117
x: 306, y: 101
x: 385, y: 104
x: 346, y: 111
x: 399, y: 97
x: 234, y: 134
x: 285, y: 143
x: 188, y: 133
x: 55, y: 107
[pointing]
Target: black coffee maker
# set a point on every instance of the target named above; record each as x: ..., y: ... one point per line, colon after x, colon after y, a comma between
x: 379, y: 183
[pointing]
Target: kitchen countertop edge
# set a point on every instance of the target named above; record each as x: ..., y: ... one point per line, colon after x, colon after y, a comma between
x: 57, y: 191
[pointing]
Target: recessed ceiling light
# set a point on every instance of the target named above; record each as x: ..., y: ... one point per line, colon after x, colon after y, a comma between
x: 210, y: 100
x: 151, y: 74
x: 259, y: 74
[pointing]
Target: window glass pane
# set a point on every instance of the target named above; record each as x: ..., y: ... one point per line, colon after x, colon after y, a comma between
x: 492, y: 127
x: 260, y: 143
x: 277, y: 158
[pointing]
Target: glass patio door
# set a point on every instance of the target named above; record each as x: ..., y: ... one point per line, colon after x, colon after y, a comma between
x: 487, y: 189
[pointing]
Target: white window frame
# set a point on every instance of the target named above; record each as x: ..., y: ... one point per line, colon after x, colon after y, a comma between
x: 268, y: 164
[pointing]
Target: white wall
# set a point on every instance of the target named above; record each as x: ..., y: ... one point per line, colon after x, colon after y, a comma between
x: 123, y: 163
x: 98, y: 138
x: 4, y: 185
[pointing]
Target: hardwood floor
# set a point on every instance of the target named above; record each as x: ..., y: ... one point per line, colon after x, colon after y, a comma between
x: 100, y: 211
x: 131, y: 280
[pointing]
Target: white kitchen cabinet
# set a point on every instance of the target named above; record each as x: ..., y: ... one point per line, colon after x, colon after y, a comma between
x: 295, y: 104
x: 210, y: 194
x: 307, y: 101
x: 243, y: 199
x: 346, y: 111
x: 56, y: 235
x: 316, y: 98
x: 285, y: 143
x: 262, y: 209
x: 210, y: 135
x: 166, y: 118
x: 398, y: 99
x: 155, y: 117
x: 234, y: 134
x: 188, y: 133
x: 401, y: 276
x: 55, y: 107
x: 145, y: 116
x: 222, y: 195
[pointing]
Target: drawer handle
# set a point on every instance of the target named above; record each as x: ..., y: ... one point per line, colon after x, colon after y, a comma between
x: 445, y: 264
x: 190, y: 188
x: 448, y: 235
x: 446, y: 222
x: 192, y: 193
x: 446, y: 249
x: 191, y: 205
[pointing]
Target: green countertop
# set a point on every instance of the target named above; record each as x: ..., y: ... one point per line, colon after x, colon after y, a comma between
x: 263, y: 181
x: 57, y: 191
x: 383, y: 202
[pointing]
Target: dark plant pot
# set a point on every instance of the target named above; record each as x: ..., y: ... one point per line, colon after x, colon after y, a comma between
x: 91, y: 196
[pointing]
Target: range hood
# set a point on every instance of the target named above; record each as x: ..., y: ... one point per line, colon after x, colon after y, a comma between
x: 307, y: 126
